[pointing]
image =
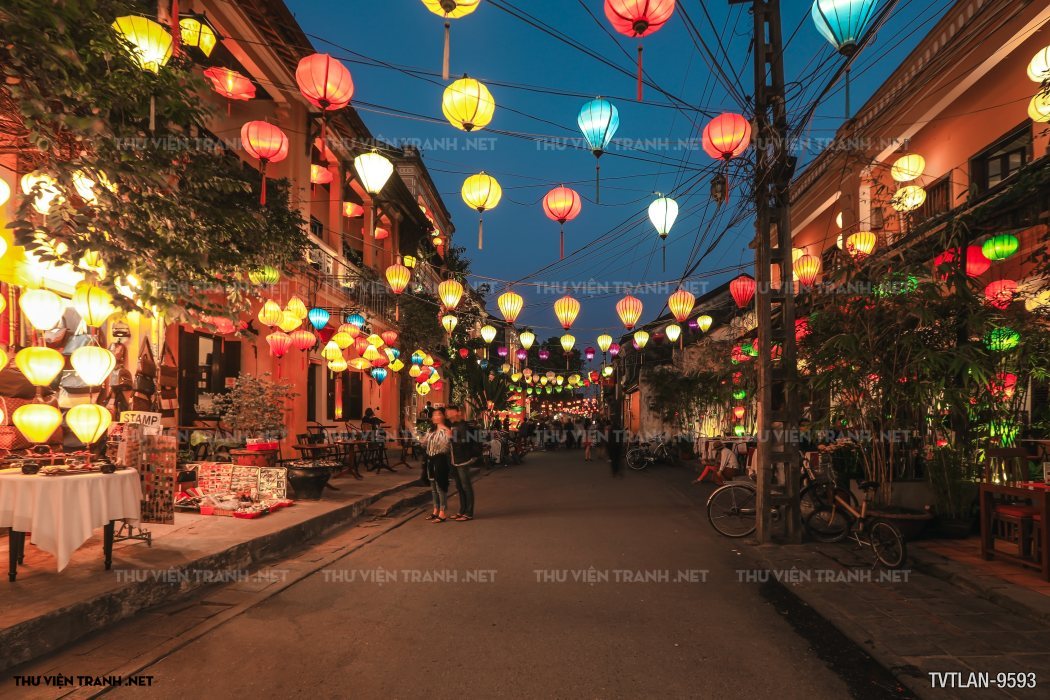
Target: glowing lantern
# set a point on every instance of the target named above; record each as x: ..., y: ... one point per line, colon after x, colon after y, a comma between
x: 43, y: 188
x: 151, y: 41
x: 503, y: 351
x: 1000, y: 247
x: 230, y: 84
x: 544, y: 354
x: 297, y: 307
x: 331, y: 350
x: 195, y: 31
x: 410, y: 261
x: 448, y: 322
x: 265, y: 276
x: 356, y: 320
x: 488, y: 333
x: 908, y: 198
x: 522, y: 354
x: 450, y: 9
x: 1039, y: 107
x: 42, y: 308
x: 704, y: 323
x: 379, y: 374
x: 359, y: 364
x: 527, y: 338
x: 1001, y: 293
x: 324, y: 82
x: 450, y: 292
x: 289, y: 321
x: 614, y: 350
x: 510, y: 304
x: 998, y: 339
x: 738, y: 412
x: 40, y: 365
x: 727, y: 136
x: 629, y: 309
x: 279, y: 343
x: 562, y: 204
x: 85, y: 185
x: 376, y: 340
x: 398, y: 277
x: 681, y: 305
x: 5, y: 194
x: 663, y: 212
x: 842, y: 22
x: 338, y: 365
x: 353, y: 210
x: 1039, y: 66
x: 468, y: 104
x: 373, y: 169
x: 89, y: 422
x: 567, y: 341
x: 976, y: 263
x: 266, y: 143
x: 908, y: 167
x: 807, y: 267
x: 1004, y: 385
x: 304, y: 340
x: 93, y: 364
x: 604, y: 342
x: 638, y: 18
x: 742, y: 290
x: 318, y: 317
x: 37, y: 421
x: 641, y: 339
x: 320, y: 174
x: 588, y: 352
x: 94, y: 304
x: 598, y: 119
x: 673, y: 332
x: 566, y: 309
x: 271, y: 313
x: 860, y: 244
x: 482, y: 193
x: 423, y: 389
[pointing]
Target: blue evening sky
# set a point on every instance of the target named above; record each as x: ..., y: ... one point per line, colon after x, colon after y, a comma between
x: 540, y: 83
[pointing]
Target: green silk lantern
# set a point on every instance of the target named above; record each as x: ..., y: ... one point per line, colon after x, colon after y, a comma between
x: 1000, y: 247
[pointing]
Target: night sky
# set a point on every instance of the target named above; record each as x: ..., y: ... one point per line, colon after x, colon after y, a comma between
x: 539, y: 84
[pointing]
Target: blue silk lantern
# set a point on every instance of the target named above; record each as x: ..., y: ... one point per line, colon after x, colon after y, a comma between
x: 318, y: 317
x: 598, y: 120
x: 356, y: 320
x: 843, y: 22
x: 379, y: 374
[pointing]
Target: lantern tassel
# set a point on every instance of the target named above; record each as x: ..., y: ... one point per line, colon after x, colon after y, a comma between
x: 663, y: 252
x: 397, y: 310
x: 597, y: 179
x: 561, y: 244
x: 445, y: 56
x: 152, y: 113
x: 639, y: 72
x: 481, y: 224
x: 847, y: 94
x: 262, y: 192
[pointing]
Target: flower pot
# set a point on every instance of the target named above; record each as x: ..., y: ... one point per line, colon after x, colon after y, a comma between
x: 910, y: 524
x: 254, y: 458
x: 308, y: 481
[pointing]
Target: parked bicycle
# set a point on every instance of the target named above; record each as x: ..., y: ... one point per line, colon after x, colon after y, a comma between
x: 643, y: 456
x: 834, y: 522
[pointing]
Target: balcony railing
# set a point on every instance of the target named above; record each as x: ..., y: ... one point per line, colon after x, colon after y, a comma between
x: 361, y: 286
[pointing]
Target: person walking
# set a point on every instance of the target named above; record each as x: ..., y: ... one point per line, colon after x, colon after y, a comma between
x: 465, y: 447
x: 589, y: 436
x: 614, y: 444
x: 438, y: 446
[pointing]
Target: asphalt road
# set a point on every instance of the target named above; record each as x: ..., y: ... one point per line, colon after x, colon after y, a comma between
x: 570, y: 583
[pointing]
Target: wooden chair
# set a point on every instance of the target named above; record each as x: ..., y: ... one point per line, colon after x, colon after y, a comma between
x: 1011, y: 520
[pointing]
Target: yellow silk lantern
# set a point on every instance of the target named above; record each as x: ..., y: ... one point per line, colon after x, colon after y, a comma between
x: 566, y: 309
x: 642, y: 338
x: 39, y: 365
x: 1039, y: 107
x: 37, y: 421
x: 271, y: 313
x: 704, y: 322
x: 331, y: 350
x: 342, y: 340
x: 197, y: 33
x: 349, y: 329
x: 398, y: 276
x: 673, y: 332
x: 376, y: 340
x: 297, y: 307
x: 488, y: 333
x: 371, y: 353
x: 42, y: 308
x: 527, y: 338
x: 450, y: 292
x: 397, y: 365
x: 681, y: 305
x: 423, y: 389
x: 360, y: 364
x: 93, y: 364
x: 510, y: 304
x: 481, y: 192
x: 604, y: 342
x: 44, y: 189
x: 151, y: 42
x: 908, y: 198
x: 908, y: 167
x: 468, y: 104
x: 289, y: 321
x: 89, y: 422
x: 607, y: 370
x: 861, y: 244
x: 338, y: 365
x: 414, y: 371
x: 448, y: 322
x: 567, y: 341
x: 5, y: 194
x: 93, y: 303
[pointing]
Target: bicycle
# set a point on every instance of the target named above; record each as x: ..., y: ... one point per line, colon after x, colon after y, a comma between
x: 642, y: 456
x: 833, y: 523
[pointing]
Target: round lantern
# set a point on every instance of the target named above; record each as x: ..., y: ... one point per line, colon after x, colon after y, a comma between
x: 1000, y: 247
x: 566, y: 309
x: 37, y: 421
x: 40, y: 365
x: 807, y: 267
x: 230, y: 84
x: 467, y: 104
x: 521, y: 354
x: 637, y: 19
x: 801, y: 329
x: 93, y: 364
x: 265, y: 276
x: 629, y: 309
x: 544, y: 354
x: 150, y: 42
x: 373, y: 170
x: 297, y: 307
x: 279, y: 343
x: 503, y: 351
x: 527, y: 338
x: 673, y: 332
x: 89, y: 422
x: 481, y: 192
x: 1000, y: 339
x: 908, y: 198
x: 42, y: 308
x: 614, y: 350
x: 588, y: 353
x: 842, y: 22
x: 320, y: 174
x: 641, y: 339
x: 567, y: 342
x: 727, y: 136
x: 289, y: 321
x: 271, y: 313
x: 450, y: 292
x: 266, y: 143
x: 681, y: 305
x: 976, y: 263
x: 1001, y: 293
x: 704, y: 323
x: 1004, y: 385
x: 1039, y: 108
x: 742, y: 290
x: 562, y: 204
x: 423, y: 389
x: 488, y: 333
x: 324, y: 82
x: 860, y: 244
x: 510, y: 304
x: 318, y: 317
x: 908, y: 167
x: 598, y: 119
x: 604, y: 342
x: 448, y: 322
x: 304, y: 340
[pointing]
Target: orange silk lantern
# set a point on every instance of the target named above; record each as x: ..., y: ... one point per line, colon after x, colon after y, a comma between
x: 681, y: 305
x: 807, y: 267
x: 325, y: 83
x: 266, y: 143
x: 320, y: 174
x: 629, y: 309
x: 389, y: 337
x: 510, y: 304
x: 303, y: 339
x: 230, y: 84
x: 638, y: 18
x: 566, y: 309
x: 562, y: 204
x: 398, y: 276
x: 727, y: 136
x: 353, y: 210
x: 279, y: 343
x: 743, y: 290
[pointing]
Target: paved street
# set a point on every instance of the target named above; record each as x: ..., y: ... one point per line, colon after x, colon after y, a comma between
x: 341, y: 633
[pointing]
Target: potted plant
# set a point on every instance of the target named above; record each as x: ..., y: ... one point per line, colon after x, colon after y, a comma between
x: 951, y: 477
x: 254, y: 410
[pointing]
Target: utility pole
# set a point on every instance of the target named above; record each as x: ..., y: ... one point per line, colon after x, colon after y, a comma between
x: 778, y: 462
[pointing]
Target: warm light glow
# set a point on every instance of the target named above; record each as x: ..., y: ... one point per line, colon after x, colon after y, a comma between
x: 1001, y: 293
x: 352, y: 210
x: 488, y: 333
x: 197, y: 33
x: 89, y: 422
x: 398, y: 276
x: 638, y: 18
x: 331, y: 350
x: 338, y: 364
x: 151, y: 42
x: 42, y: 308
x: 343, y: 340
x: 373, y: 169
x: 908, y: 198
x: 448, y: 322
x: 40, y: 365
x: 280, y: 342
x: 567, y: 342
x: 673, y: 332
x: 704, y: 323
x: 1000, y: 247
x: 265, y: 276
x: 297, y: 306
x: 629, y: 309
x: 641, y: 339
x: 450, y: 292
x: 410, y: 262
x: 681, y: 305
x: 527, y: 338
x: 452, y: 9
x: 46, y: 190
x: 230, y: 84
x: 742, y: 289
x: 663, y: 212
x: 271, y: 313
x: 510, y: 304
x: 604, y: 341
x: 320, y: 174
x: 324, y: 82
x: 908, y: 167
x: 807, y: 267
x: 303, y: 339
x: 562, y: 204
x: 93, y: 364
x: 5, y: 194
x: 1039, y: 66
x: 468, y: 104
x: 727, y: 136
x: 566, y: 309
x: 860, y: 244
x: 289, y: 321
x: 94, y: 304
x: 481, y: 192
x: 1039, y: 107
x: 37, y: 421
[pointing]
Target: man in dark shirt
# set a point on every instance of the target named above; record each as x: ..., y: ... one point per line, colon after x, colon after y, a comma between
x: 465, y: 448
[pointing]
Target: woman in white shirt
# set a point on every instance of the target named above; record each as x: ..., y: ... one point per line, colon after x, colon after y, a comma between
x: 438, y: 446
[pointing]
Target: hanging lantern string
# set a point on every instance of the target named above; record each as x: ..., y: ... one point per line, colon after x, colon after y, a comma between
x: 445, y: 59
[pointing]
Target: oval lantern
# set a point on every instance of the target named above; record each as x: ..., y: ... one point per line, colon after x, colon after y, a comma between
x: 320, y: 174
x: 37, y: 421
x: 976, y: 263
x: 629, y: 309
x: 1039, y: 66
x: 448, y: 322
x: 266, y: 143
x: 398, y: 277
x: 673, y: 332
x: 641, y: 339
x: 1000, y: 247
x: 860, y: 244
x: 467, y: 104
x: 304, y: 340
x: 40, y: 365
x: 353, y: 210
x: 318, y: 317
x: 510, y: 304
x: 908, y: 167
x: 637, y: 19
x: 1039, y: 107
x: 373, y: 169
x: 93, y: 364
x: 681, y: 305
x: 742, y: 290
x: 562, y: 204
x: 271, y: 313
x: 807, y: 267
x: 908, y: 198
x: 450, y: 292
x: 604, y: 342
x: 663, y: 212
x: 42, y: 308
x: 588, y: 352
x: 727, y: 136
x: 544, y: 354
x: 89, y: 422
x: 230, y: 84
x: 356, y: 320
x: 1001, y: 293
x: 598, y: 119
x: 297, y: 307
x: 704, y: 323
x: 842, y: 22
x: 566, y: 309
x: 265, y: 276
x: 481, y: 192
x: 279, y: 343
x: 567, y: 341
x: 325, y: 82
x: 527, y: 338
x: 450, y: 9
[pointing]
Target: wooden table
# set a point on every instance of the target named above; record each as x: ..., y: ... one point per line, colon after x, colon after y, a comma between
x: 1040, y: 498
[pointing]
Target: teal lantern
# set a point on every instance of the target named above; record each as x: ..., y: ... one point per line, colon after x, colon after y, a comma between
x: 379, y: 375
x: 1002, y: 339
x: 598, y: 120
x: 318, y: 317
x: 356, y: 320
x: 417, y: 358
x: 1000, y: 247
x: 843, y: 22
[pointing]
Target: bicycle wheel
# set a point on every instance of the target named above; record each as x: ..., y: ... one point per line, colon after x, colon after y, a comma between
x: 731, y: 510
x: 888, y: 544
x: 816, y: 496
x: 636, y: 458
x: 827, y: 524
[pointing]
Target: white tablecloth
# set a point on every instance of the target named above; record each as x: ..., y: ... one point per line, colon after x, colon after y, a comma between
x: 62, y: 512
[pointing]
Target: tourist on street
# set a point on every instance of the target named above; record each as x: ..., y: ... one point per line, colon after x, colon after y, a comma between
x: 465, y: 447
x: 589, y: 436
x: 438, y: 445
x: 724, y: 467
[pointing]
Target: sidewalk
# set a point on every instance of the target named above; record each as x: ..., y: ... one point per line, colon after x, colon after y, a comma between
x: 45, y: 610
x: 914, y: 623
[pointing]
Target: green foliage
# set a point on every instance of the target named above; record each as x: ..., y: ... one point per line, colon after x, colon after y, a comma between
x: 183, y: 214
x: 254, y: 406
x: 486, y: 390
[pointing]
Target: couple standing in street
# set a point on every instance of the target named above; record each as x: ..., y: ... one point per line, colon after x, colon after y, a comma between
x: 451, y: 446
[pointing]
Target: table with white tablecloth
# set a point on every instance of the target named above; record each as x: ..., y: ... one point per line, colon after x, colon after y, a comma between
x: 62, y: 512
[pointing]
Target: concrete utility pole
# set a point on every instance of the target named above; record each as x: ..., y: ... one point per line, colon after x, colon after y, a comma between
x: 778, y: 461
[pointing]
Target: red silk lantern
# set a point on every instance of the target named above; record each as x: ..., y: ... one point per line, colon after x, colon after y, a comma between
x: 638, y: 18
x: 629, y: 309
x: 382, y: 233
x: 562, y: 204
x: 266, y: 143
x: 464, y: 353
x: 976, y: 263
x: 320, y: 174
x: 743, y: 290
x: 801, y: 328
x: 325, y: 83
x: 389, y: 337
x: 303, y: 339
x: 279, y: 343
x: 352, y: 210
x: 230, y: 84
x: 727, y: 136
x: 1004, y: 385
x: 1000, y: 294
